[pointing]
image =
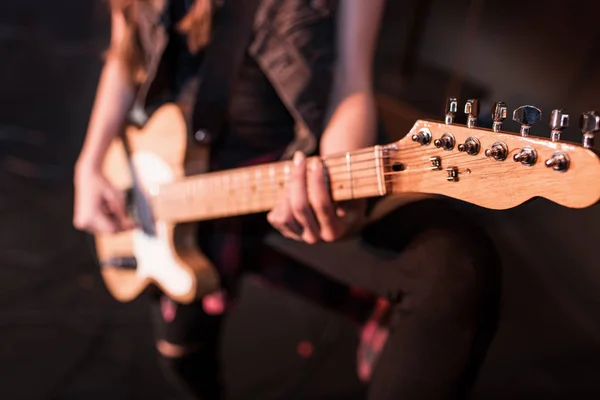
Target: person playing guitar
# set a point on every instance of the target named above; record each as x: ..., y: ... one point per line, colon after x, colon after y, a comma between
x: 304, y: 87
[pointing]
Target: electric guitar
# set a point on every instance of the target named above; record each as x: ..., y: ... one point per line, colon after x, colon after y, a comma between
x: 164, y: 174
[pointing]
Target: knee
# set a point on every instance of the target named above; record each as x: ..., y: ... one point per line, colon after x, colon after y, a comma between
x: 173, y: 351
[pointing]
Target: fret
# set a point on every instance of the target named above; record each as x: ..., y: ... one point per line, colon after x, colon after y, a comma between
x: 378, y: 153
x: 257, y: 184
x: 349, y: 169
x: 272, y: 183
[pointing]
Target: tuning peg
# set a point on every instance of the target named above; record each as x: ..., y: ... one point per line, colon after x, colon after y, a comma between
x: 472, y: 111
x: 451, y: 109
x: 559, y: 120
x: 498, y: 115
x: 590, y: 124
x: 527, y: 116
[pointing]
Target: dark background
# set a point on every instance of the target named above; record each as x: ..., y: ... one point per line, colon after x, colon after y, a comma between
x: 63, y: 337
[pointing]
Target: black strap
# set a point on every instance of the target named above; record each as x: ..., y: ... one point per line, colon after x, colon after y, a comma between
x: 231, y: 35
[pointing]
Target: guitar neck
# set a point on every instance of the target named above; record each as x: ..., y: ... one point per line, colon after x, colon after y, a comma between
x: 256, y: 189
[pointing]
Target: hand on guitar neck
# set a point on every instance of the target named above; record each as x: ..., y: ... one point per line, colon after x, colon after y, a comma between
x: 308, y: 212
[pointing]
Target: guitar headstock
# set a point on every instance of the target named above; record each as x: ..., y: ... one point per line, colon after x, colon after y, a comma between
x: 493, y: 168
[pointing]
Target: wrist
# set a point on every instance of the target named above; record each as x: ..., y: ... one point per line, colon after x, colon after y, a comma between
x: 87, y: 165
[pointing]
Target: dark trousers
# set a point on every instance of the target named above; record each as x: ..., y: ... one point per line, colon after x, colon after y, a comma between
x: 435, y: 268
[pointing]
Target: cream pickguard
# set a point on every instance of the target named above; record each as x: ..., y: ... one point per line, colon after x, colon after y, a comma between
x: 154, y: 255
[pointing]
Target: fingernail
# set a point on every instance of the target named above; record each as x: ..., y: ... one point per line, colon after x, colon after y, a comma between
x: 298, y: 157
x: 314, y: 164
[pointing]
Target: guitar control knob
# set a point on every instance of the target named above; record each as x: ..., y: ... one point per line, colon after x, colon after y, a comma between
x: 471, y: 146
x: 472, y: 111
x: 498, y: 115
x: 558, y: 162
x: 590, y: 124
x: 446, y: 142
x: 451, y: 109
x: 527, y: 116
x: 498, y: 151
x: 559, y: 120
x: 527, y: 156
x: 423, y: 137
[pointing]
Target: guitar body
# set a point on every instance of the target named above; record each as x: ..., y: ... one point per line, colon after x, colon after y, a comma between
x: 161, y: 253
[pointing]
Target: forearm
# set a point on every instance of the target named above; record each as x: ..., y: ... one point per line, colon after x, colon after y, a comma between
x: 353, y: 117
x: 113, y: 100
x: 353, y: 123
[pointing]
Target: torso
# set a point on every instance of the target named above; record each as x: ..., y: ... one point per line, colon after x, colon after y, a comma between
x: 258, y: 122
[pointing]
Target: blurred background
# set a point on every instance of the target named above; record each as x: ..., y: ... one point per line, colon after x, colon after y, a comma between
x: 63, y: 337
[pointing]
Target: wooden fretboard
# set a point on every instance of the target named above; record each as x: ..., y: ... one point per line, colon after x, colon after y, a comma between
x: 258, y: 188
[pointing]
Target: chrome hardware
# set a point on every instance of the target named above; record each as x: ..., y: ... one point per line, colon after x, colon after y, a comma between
x: 527, y: 116
x: 202, y: 136
x: 527, y: 156
x: 423, y: 137
x: 558, y: 122
x: 472, y: 111
x: 590, y: 124
x: 498, y: 151
x: 471, y: 146
x: 436, y: 163
x: 498, y: 115
x: 451, y: 109
x: 452, y: 174
x: 558, y: 162
x: 446, y: 142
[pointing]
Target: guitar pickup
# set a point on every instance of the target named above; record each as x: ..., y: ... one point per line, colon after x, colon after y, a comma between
x: 119, y: 263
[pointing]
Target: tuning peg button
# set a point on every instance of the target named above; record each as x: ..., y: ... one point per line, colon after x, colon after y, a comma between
x: 559, y: 120
x: 558, y: 162
x: 590, y: 124
x: 451, y: 109
x: 527, y: 116
x: 472, y: 111
x: 498, y: 115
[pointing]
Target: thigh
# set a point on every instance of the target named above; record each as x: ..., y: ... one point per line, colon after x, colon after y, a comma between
x: 392, y: 256
x: 429, y: 246
x: 440, y: 274
x: 443, y: 283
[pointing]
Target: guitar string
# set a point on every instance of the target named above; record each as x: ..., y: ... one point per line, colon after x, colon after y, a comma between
x: 276, y: 186
x: 278, y: 177
x: 344, y: 164
x: 228, y: 206
x: 344, y: 173
x: 375, y: 179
